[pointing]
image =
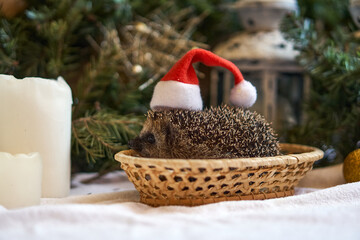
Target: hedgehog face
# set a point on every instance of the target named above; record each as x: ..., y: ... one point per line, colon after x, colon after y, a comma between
x: 154, y: 139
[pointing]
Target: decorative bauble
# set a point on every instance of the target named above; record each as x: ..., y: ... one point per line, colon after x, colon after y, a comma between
x: 351, y: 167
x: 10, y: 8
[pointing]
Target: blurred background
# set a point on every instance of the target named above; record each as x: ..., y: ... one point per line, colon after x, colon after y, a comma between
x: 303, y: 57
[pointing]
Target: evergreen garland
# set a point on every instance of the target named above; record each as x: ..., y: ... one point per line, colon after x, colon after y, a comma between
x: 330, y: 55
x: 110, y: 58
x: 50, y: 38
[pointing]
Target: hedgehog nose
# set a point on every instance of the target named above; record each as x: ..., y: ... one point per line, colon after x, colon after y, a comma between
x: 135, y: 144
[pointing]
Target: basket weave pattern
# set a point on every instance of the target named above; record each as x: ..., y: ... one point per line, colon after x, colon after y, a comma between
x: 193, y: 182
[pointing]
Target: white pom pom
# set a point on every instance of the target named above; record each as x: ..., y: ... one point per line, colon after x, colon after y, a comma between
x: 243, y: 94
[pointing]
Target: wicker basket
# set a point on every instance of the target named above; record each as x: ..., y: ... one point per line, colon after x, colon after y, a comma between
x: 194, y: 182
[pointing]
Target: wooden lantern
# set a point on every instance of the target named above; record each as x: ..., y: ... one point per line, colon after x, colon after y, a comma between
x: 267, y: 60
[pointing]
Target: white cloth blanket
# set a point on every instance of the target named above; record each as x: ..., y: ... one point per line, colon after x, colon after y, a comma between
x: 332, y: 213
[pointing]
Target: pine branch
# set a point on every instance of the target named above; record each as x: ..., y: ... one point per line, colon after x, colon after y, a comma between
x: 103, y: 134
x: 331, y: 59
x: 48, y: 40
x: 109, y: 61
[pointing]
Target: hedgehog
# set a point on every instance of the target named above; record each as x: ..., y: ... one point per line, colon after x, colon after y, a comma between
x: 216, y: 132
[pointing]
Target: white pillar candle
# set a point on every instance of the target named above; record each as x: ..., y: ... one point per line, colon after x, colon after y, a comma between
x: 35, y: 116
x: 20, y: 179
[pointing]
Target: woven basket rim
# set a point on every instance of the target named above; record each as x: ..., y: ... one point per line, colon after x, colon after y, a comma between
x: 303, y: 154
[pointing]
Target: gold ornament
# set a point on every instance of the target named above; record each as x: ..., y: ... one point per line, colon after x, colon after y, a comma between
x: 10, y: 8
x: 351, y: 167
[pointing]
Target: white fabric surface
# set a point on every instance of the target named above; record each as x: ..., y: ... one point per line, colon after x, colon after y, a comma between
x: 332, y: 213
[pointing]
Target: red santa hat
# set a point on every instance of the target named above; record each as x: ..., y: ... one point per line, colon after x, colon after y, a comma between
x: 179, y: 88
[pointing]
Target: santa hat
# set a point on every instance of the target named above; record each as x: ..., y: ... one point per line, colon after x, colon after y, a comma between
x: 179, y: 88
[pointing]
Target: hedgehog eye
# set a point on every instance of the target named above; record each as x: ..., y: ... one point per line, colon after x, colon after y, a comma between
x: 150, y: 138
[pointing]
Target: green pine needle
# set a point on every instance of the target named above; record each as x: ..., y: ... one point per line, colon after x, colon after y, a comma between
x: 103, y: 134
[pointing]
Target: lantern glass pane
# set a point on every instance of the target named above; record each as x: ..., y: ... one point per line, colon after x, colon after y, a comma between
x: 290, y: 93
